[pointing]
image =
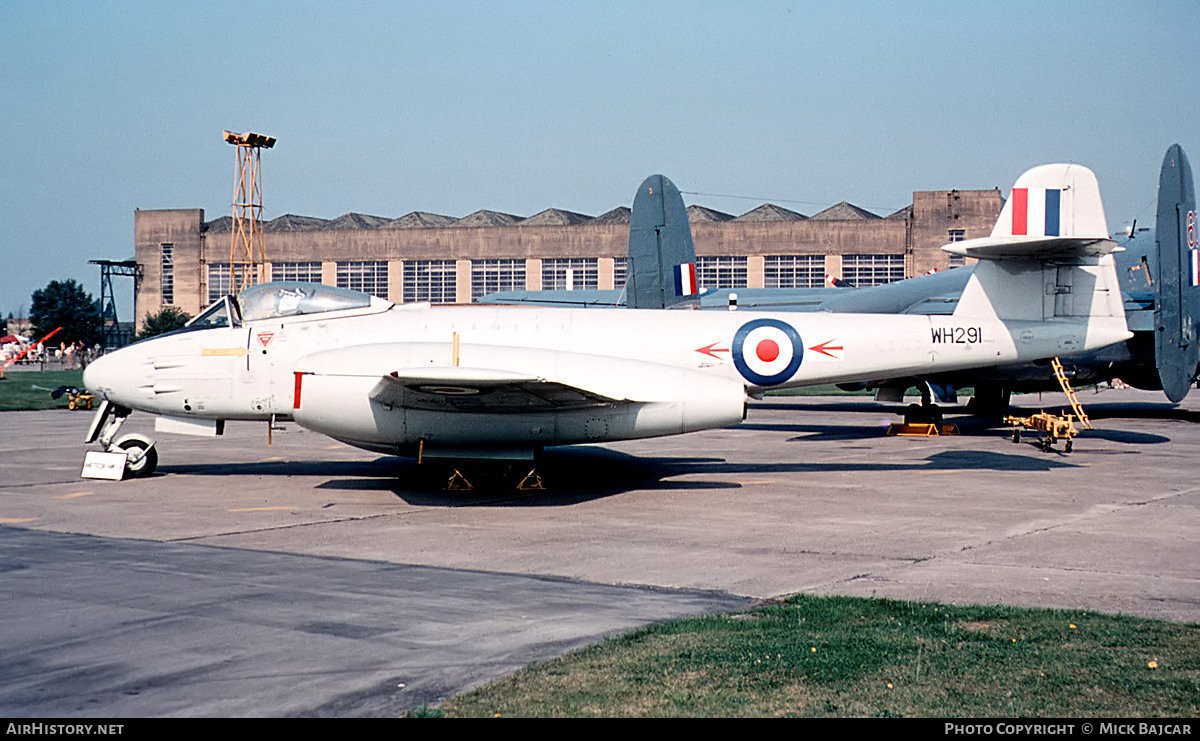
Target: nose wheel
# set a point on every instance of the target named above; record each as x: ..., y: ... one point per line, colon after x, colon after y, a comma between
x: 141, y: 457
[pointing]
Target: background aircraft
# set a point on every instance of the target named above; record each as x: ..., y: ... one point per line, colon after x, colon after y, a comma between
x: 1158, y: 277
x: 501, y: 382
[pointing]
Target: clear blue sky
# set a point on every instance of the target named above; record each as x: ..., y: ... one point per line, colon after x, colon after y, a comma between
x: 390, y: 107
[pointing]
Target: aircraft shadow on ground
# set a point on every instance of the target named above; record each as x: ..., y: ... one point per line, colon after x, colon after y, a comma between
x: 577, y: 474
x: 306, y: 467
x: 840, y: 430
x: 1128, y: 437
x: 815, y: 432
x: 974, y: 426
x: 1138, y: 410
x: 581, y: 474
x: 958, y: 413
x: 950, y: 460
x: 570, y: 475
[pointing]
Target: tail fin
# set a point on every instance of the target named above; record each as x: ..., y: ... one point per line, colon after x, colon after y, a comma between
x: 1049, y: 257
x: 662, y: 258
x: 1053, y: 201
x: 1177, y: 290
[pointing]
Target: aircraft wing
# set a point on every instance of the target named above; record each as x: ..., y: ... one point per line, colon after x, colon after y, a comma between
x: 457, y: 389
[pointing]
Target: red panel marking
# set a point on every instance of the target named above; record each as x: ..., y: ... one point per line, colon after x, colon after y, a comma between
x: 296, y: 394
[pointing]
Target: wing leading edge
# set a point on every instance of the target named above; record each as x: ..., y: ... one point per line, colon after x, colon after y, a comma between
x: 480, y: 390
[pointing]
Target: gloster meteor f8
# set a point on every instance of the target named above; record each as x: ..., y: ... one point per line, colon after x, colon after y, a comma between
x: 493, y: 381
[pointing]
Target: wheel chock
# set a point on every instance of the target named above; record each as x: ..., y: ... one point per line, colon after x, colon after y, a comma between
x: 924, y: 429
x: 457, y: 482
x: 531, y: 482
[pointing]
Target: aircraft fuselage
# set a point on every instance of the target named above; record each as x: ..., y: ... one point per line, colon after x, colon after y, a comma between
x: 650, y: 372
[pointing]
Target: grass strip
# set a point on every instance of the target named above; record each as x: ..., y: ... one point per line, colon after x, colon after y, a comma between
x: 843, y: 656
x: 25, y: 391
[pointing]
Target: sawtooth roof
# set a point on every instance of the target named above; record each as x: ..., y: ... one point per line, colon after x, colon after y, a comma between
x: 844, y: 212
x: 294, y: 223
x: 700, y: 213
x: 555, y: 217
x: 420, y: 220
x: 771, y: 212
x: 619, y: 215
x: 548, y: 217
x: 483, y: 217
x: 223, y: 224
x: 357, y: 221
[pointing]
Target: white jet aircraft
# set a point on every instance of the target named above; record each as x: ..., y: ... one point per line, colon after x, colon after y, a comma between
x: 502, y: 382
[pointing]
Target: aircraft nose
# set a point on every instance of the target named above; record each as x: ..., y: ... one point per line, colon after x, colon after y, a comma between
x: 106, y: 375
x: 97, y: 373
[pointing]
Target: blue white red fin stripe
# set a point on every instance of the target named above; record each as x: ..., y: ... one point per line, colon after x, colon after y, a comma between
x: 685, y: 279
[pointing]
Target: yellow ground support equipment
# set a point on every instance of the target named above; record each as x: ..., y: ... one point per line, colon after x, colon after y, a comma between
x: 81, y: 400
x: 922, y: 429
x: 1052, y: 427
x: 77, y: 398
x: 1076, y: 407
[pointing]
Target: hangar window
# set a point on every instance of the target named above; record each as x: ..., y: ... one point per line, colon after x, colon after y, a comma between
x: 872, y: 270
x: 489, y: 276
x: 219, y: 281
x: 794, y: 271
x: 570, y: 273
x: 620, y: 271
x: 366, y: 276
x: 435, y: 281
x: 721, y: 272
x: 308, y: 272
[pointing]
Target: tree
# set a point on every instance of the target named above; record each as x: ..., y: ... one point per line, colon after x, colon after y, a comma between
x: 65, y: 304
x: 169, y: 319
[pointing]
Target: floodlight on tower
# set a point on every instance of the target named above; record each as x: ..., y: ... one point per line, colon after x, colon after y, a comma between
x: 247, y: 259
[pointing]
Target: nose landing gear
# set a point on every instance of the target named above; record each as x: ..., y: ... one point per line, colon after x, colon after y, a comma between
x: 141, y: 458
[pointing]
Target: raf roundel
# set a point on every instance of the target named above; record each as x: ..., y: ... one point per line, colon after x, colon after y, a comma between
x: 767, y: 352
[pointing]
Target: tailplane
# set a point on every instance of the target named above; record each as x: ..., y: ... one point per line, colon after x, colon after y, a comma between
x: 662, y: 257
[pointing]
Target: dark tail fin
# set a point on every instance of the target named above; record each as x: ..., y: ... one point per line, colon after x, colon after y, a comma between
x: 1177, y: 290
x: 662, y: 258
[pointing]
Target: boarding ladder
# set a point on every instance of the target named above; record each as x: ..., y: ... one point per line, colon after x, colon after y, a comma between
x: 1084, y: 422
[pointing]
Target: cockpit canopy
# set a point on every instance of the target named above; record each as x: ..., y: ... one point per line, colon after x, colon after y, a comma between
x: 277, y: 299
x: 292, y: 298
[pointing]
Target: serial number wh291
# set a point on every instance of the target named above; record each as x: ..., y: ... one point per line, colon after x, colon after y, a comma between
x: 957, y: 335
